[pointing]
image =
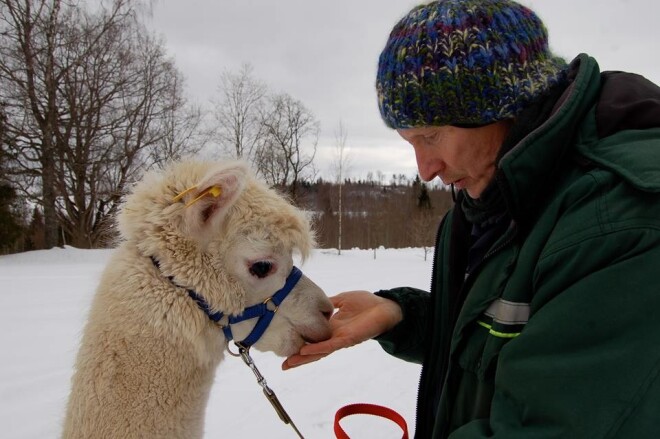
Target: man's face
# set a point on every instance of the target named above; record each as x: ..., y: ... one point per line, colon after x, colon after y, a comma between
x: 464, y: 157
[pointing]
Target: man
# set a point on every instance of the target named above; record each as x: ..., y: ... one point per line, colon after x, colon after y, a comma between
x: 541, y: 320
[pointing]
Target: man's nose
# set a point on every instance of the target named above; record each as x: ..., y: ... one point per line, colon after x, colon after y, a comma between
x: 427, y: 166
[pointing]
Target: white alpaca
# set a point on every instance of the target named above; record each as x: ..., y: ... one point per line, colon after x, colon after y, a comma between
x: 149, y: 353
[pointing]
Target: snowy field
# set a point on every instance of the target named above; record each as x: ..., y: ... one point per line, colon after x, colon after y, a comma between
x: 44, y: 300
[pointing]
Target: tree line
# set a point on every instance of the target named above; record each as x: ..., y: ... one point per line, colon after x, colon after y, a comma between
x: 398, y: 214
x: 374, y: 215
x: 89, y: 100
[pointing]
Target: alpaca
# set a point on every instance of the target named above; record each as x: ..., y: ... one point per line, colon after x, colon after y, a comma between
x: 148, y: 354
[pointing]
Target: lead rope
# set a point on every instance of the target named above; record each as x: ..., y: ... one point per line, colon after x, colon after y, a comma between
x: 244, y: 353
x: 353, y: 409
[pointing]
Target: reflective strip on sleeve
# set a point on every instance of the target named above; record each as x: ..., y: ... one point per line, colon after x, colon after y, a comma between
x: 508, y: 313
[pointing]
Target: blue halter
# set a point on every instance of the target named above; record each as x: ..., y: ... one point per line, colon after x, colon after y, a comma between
x: 263, y: 311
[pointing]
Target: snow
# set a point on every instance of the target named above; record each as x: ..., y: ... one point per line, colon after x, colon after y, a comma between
x: 43, y: 307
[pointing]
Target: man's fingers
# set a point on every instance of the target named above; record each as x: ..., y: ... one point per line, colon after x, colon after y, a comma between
x: 326, y: 347
x: 323, y: 347
x: 315, y: 351
x: 299, y: 360
x: 336, y: 300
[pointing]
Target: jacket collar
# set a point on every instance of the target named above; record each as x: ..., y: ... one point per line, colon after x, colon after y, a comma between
x: 527, y: 172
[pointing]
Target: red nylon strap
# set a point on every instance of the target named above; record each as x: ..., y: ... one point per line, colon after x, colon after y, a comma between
x: 368, y: 409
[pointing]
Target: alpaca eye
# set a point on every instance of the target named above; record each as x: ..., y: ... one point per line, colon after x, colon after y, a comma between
x: 261, y: 269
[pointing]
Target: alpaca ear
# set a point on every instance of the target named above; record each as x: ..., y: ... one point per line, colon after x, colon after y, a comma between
x: 210, y: 200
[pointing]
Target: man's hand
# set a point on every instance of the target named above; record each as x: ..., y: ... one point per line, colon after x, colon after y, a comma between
x: 360, y: 316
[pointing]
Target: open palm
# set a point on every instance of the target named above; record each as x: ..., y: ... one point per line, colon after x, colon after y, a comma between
x: 360, y: 316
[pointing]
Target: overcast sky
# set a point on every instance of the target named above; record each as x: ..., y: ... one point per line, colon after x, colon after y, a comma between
x: 325, y: 54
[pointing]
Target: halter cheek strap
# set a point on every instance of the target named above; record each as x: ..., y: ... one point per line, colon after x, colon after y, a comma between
x: 263, y: 311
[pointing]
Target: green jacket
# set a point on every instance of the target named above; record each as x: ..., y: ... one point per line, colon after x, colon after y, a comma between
x: 557, y: 333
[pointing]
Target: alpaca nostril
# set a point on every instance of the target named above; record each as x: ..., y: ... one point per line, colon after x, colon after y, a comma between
x: 327, y: 314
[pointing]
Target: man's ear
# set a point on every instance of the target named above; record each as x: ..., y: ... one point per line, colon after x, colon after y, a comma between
x: 210, y: 200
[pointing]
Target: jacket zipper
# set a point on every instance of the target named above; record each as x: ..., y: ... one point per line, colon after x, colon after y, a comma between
x: 467, y: 284
x: 436, y: 250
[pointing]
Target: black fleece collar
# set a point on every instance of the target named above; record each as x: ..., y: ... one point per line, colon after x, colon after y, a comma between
x: 627, y: 102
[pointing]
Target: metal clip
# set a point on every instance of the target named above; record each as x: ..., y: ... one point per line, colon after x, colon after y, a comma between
x: 233, y: 354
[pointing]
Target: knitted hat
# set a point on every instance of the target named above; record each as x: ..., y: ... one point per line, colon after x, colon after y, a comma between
x: 469, y: 62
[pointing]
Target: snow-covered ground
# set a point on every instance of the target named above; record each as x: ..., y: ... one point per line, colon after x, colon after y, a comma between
x: 44, y: 298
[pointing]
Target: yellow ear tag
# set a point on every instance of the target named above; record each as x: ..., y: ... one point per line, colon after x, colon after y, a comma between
x: 214, y: 191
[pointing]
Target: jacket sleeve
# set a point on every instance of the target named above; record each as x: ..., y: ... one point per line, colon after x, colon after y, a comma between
x: 587, y: 364
x: 407, y: 339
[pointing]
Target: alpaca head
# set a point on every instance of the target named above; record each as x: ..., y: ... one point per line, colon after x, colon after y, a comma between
x: 217, y: 230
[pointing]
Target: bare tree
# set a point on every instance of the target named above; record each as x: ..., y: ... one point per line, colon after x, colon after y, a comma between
x: 28, y: 41
x: 237, y: 112
x: 90, y: 100
x: 340, y: 168
x: 183, y: 133
x: 290, y: 130
x: 380, y: 177
x: 422, y: 230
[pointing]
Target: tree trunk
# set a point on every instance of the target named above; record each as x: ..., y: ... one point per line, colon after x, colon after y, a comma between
x: 51, y: 235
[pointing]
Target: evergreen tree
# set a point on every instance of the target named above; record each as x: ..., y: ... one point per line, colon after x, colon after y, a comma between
x: 10, y: 226
x: 423, y: 198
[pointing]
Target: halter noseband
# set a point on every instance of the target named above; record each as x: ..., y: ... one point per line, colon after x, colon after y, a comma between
x: 264, y: 311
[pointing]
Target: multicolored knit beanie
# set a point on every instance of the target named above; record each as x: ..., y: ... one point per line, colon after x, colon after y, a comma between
x: 464, y: 62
